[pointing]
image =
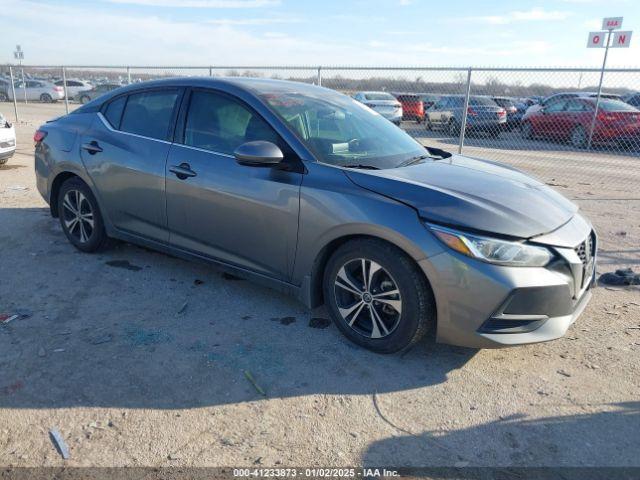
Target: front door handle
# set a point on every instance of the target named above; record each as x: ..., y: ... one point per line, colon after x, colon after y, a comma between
x: 92, y: 147
x: 182, y: 171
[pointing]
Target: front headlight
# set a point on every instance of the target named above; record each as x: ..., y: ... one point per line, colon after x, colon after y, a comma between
x: 493, y: 250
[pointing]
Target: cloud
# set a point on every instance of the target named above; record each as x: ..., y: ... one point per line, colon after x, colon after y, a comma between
x: 404, y: 3
x: 535, y: 14
x: 253, y: 21
x: 201, y: 3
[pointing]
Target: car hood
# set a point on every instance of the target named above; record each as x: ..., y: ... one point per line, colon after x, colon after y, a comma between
x: 472, y: 194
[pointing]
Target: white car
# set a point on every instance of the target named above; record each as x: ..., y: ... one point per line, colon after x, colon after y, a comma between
x: 7, y: 140
x: 383, y: 103
x: 74, y: 87
x: 37, y: 90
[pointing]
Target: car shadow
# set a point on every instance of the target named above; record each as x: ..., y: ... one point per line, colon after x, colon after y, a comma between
x: 607, y: 438
x: 133, y: 328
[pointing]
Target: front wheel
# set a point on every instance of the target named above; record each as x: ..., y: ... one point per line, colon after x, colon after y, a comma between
x: 377, y: 296
x: 4, y: 97
x: 80, y: 216
x: 454, y: 128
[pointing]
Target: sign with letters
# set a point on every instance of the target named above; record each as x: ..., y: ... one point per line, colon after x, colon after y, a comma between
x: 597, y: 39
x: 611, y: 23
x: 621, y: 39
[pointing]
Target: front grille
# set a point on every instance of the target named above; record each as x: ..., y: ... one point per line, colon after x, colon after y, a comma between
x: 586, y: 250
x: 10, y: 143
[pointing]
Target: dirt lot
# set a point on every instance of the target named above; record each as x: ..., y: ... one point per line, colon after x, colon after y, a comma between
x: 112, y: 358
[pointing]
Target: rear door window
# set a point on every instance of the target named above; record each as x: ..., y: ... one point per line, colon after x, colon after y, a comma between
x: 149, y: 113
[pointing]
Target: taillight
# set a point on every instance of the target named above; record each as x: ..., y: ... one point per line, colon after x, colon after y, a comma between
x: 39, y: 136
x: 502, y: 112
x: 471, y: 111
x: 58, y: 88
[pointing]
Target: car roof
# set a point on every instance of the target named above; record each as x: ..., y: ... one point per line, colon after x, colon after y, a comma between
x: 252, y: 85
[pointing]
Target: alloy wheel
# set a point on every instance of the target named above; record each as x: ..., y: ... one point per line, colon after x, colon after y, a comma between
x: 78, y: 215
x: 368, y: 298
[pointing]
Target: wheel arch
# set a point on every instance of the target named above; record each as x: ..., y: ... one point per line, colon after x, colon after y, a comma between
x: 57, y: 183
x: 315, y: 296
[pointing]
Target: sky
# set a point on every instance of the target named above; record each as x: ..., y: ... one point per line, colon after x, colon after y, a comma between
x: 304, y: 32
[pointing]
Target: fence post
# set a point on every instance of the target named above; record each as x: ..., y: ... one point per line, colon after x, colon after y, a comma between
x: 66, y: 93
x: 319, y: 76
x: 13, y: 93
x: 24, y: 85
x: 463, y: 126
x: 211, y: 71
x: 595, y: 112
x: 128, y: 75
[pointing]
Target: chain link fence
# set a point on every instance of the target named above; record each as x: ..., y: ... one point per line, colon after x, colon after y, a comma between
x: 548, y: 122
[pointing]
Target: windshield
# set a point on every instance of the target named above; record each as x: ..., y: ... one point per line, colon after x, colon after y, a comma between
x: 379, y: 96
x: 341, y: 131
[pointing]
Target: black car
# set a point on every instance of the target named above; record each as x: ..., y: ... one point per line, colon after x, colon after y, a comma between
x: 95, y: 92
x: 632, y: 99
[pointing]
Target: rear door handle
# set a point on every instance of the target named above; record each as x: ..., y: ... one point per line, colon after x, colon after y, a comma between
x: 182, y: 171
x: 92, y: 147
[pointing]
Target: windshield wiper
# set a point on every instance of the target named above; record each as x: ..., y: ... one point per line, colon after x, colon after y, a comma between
x: 364, y: 167
x: 413, y: 160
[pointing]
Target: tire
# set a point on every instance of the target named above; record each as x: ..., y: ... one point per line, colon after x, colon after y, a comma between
x: 85, y: 99
x: 427, y: 124
x: 527, y: 130
x: 4, y: 97
x: 4, y: 160
x: 579, y: 137
x: 89, y: 234
x: 383, y: 323
x: 46, y: 98
x: 453, y: 128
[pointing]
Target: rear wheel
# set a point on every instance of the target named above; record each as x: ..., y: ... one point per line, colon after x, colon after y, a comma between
x: 527, y: 130
x: 4, y: 97
x: 46, y: 98
x: 579, y: 137
x: 427, y: 124
x: 377, y: 296
x: 85, y: 99
x: 80, y: 216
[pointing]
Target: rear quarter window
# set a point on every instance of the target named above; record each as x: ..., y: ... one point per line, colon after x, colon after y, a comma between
x: 113, y: 111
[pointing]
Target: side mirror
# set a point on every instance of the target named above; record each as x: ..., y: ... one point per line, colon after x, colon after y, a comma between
x: 258, y: 154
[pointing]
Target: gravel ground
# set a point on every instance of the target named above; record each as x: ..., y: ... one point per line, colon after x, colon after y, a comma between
x: 113, y: 359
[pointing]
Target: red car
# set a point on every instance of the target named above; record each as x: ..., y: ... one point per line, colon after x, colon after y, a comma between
x: 412, y: 106
x: 570, y: 119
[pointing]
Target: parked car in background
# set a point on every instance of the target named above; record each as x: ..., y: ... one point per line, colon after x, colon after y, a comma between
x: 74, y: 87
x: 7, y: 140
x: 382, y: 102
x: 88, y: 95
x: 483, y: 114
x: 37, y: 90
x: 412, y: 107
x: 565, y: 95
x: 513, y: 119
x: 428, y: 99
x: 632, y: 99
x: 324, y: 199
x: 570, y: 119
x: 5, y: 86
